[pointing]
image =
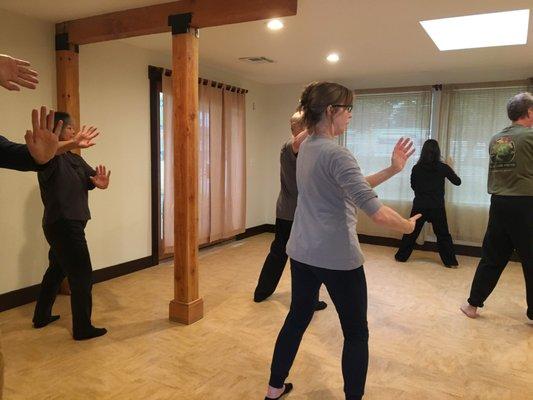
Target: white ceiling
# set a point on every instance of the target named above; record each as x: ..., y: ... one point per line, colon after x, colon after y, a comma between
x: 381, y: 43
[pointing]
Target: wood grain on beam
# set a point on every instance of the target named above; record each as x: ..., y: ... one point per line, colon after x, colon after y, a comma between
x: 68, y: 83
x: 154, y: 19
x: 187, y: 306
x: 68, y: 100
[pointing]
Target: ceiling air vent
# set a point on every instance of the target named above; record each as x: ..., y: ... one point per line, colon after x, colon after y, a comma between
x: 257, y: 60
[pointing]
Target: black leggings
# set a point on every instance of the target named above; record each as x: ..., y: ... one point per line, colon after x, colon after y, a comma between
x: 347, y: 290
x: 437, y: 217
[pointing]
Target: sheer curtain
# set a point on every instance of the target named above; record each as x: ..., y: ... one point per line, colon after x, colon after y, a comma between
x: 210, y: 156
x: 221, y: 163
x: 468, y: 119
x: 234, y: 128
x: 378, y: 121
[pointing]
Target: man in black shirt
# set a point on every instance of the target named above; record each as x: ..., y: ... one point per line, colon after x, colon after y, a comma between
x: 64, y: 185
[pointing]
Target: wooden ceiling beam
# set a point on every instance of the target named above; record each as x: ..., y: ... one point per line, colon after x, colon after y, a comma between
x: 154, y: 19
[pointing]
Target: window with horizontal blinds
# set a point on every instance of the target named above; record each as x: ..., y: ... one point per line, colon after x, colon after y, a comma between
x: 378, y: 121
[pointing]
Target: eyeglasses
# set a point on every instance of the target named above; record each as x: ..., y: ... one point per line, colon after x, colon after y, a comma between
x: 348, y: 107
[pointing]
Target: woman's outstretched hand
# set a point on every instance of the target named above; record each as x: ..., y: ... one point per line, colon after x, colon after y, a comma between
x: 401, y: 153
x: 412, y: 222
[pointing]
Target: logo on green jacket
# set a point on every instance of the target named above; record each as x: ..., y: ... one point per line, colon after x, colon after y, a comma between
x: 503, y: 150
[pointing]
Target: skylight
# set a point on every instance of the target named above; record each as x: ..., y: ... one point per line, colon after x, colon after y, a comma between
x: 481, y: 30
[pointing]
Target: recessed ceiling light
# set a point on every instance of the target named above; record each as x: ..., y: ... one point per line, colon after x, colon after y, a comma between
x: 333, y: 58
x: 275, y: 25
x: 481, y: 30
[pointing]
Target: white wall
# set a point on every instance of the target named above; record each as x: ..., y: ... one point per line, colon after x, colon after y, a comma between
x: 114, y: 96
x: 282, y: 102
x: 23, y: 250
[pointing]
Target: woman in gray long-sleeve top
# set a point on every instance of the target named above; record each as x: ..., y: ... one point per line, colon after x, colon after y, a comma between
x: 323, y: 245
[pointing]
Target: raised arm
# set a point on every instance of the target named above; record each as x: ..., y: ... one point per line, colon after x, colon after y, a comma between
x: 42, y: 140
x: 82, y: 140
x: 400, y: 154
x: 450, y: 173
x: 348, y: 175
x: 101, y: 179
x: 298, y: 139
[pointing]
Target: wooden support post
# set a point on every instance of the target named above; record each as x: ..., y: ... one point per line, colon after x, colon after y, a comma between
x: 187, y: 305
x: 68, y: 91
x: 68, y: 77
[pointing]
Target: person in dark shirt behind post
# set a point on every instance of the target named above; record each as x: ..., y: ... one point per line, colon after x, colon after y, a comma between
x: 285, y: 207
x: 64, y: 185
x: 427, y: 180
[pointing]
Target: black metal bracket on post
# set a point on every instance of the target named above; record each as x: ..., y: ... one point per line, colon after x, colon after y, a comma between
x: 62, y: 43
x: 180, y: 23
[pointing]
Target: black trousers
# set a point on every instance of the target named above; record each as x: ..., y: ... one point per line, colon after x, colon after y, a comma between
x: 347, y: 290
x: 437, y: 217
x: 275, y: 261
x: 68, y: 256
x: 510, y: 228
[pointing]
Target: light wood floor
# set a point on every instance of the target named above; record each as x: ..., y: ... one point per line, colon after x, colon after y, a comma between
x: 421, y: 346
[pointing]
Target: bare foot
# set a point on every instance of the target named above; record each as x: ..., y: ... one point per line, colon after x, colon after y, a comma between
x: 469, y: 310
x: 274, y: 393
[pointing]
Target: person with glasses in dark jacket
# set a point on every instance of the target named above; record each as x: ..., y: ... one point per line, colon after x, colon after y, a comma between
x: 286, y: 205
x: 428, y: 177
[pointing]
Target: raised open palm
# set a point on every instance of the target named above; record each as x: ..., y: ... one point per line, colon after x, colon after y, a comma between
x: 401, y: 153
x: 42, y: 140
x: 15, y: 73
x: 101, y: 179
x: 84, y: 138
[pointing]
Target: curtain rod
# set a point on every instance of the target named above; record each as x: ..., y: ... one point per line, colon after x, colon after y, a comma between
x: 157, y: 71
x: 474, y: 85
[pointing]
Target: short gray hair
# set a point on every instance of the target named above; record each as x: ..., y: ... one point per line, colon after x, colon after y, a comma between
x: 519, y: 105
x: 296, y: 121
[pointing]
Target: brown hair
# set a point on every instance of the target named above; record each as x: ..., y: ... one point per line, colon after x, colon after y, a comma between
x: 316, y: 98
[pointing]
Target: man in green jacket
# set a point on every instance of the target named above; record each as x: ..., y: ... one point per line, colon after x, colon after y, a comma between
x: 510, y: 226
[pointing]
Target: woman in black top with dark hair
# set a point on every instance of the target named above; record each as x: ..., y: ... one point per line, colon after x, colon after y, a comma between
x: 64, y: 185
x: 427, y: 181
